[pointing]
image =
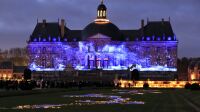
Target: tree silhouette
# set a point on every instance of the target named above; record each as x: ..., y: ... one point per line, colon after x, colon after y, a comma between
x: 27, y: 73
x: 135, y: 75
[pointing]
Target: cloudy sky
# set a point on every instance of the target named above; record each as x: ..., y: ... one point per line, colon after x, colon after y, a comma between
x: 19, y: 17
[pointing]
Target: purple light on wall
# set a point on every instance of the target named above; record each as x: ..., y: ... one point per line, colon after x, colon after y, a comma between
x: 54, y: 39
x: 169, y: 38
x: 113, y: 56
x: 44, y: 39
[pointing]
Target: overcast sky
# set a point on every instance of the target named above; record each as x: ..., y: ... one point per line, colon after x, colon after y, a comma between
x: 19, y: 17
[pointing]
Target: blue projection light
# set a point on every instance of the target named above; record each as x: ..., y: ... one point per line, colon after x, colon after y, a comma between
x: 88, y: 56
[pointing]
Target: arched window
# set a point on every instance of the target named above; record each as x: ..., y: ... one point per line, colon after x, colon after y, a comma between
x: 158, y: 61
x: 147, y: 50
x: 98, y: 13
x: 54, y: 50
x: 34, y: 50
x: 168, y: 62
x: 104, y: 13
x: 65, y: 60
x: 158, y: 49
x: 65, y: 39
x: 44, y: 49
x: 35, y: 39
x: 148, y: 62
x: 158, y: 38
x: 44, y: 62
x: 148, y: 38
x: 169, y: 38
x: 168, y: 49
x: 101, y: 13
x: 44, y: 40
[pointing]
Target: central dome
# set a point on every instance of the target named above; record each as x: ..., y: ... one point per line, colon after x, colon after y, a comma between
x: 106, y: 28
x: 101, y: 26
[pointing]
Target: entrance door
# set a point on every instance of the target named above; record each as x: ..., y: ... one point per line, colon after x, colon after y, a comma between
x: 98, y: 64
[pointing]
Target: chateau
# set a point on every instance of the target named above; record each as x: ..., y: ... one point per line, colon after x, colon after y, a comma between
x: 101, y: 46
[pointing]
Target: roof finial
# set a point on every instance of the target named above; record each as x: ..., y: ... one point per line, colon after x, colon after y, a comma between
x: 101, y: 1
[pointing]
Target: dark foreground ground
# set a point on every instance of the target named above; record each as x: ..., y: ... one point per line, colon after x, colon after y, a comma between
x: 59, y: 100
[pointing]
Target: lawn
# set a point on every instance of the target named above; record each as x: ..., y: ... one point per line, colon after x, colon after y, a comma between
x: 101, y: 100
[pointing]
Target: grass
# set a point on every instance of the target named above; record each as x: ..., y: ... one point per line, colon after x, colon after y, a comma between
x: 170, y: 100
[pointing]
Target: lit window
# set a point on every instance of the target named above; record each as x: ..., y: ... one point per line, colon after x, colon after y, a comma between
x: 158, y: 49
x: 168, y: 62
x: 148, y: 62
x: 65, y: 39
x: 59, y: 39
x: 147, y: 50
x: 35, y: 39
x: 44, y: 49
x: 169, y: 38
x: 35, y: 50
x: 148, y: 38
x: 193, y: 77
x: 44, y: 62
x: 168, y: 49
x: 159, y: 61
x: 158, y: 38
x: 101, y: 13
x: 127, y: 38
x: 174, y: 37
x: 44, y: 40
x: 54, y: 39
x: 54, y: 49
x: 65, y: 60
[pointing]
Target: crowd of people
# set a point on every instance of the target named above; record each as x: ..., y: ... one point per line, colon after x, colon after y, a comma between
x: 30, y: 84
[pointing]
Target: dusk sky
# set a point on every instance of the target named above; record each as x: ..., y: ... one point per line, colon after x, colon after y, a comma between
x: 19, y: 17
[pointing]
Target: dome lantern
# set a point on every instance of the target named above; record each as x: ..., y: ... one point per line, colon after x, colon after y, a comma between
x: 101, y: 25
x: 101, y: 11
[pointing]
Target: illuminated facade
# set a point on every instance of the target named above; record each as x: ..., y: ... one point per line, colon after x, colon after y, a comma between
x: 194, y: 71
x: 102, y: 45
x: 6, y: 70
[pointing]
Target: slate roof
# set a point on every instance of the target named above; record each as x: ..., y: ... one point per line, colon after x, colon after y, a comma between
x: 130, y: 35
x: 157, y: 31
x: 6, y: 65
x: 152, y: 31
x: 46, y: 29
x: 158, y: 28
x: 108, y: 29
x: 18, y: 69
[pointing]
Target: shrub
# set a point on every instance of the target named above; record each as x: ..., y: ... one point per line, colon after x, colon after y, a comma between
x: 26, y: 85
x: 187, y: 86
x: 195, y: 86
x: 145, y: 86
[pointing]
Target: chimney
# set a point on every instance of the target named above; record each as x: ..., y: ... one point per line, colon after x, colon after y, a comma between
x: 147, y: 20
x: 62, y: 27
x: 142, y: 23
x: 169, y: 19
x: 142, y: 27
x: 163, y: 20
x: 44, y: 22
